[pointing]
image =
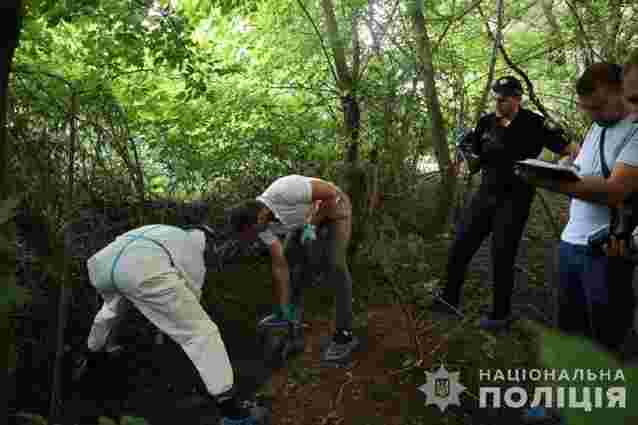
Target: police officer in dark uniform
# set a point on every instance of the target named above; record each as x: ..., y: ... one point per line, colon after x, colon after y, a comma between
x: 502, y: 203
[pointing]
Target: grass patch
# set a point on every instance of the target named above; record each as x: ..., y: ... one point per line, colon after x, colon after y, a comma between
x: 379, y: 391
x: 300, y: 375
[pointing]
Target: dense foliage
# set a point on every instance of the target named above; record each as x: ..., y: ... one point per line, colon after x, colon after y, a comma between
x: 174, y: 95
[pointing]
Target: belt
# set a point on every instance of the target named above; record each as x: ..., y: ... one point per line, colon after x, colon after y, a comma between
x: 133, y: 238
x: 580, y: 249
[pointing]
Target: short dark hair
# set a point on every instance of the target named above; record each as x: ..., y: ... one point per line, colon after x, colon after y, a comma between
x: 244, y: 215
x: 602, y: 74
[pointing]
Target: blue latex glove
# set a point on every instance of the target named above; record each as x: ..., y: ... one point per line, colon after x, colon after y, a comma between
x: 309, y: 233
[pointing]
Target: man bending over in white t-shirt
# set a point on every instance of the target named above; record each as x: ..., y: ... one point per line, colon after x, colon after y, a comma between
x: 299, y: 208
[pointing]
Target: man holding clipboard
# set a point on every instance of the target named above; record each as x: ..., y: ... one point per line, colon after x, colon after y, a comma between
x: 596, y: 295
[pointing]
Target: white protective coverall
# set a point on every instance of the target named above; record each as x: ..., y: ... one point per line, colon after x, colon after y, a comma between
x: 160, y: 269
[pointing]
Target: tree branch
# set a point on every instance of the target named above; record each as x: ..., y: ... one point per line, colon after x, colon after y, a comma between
x: 498, y: 40
x: 452, y: 21
x: 582, y: 33
x: 321, y: 41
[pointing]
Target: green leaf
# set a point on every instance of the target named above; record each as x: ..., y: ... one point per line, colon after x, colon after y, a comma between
x: 11, y: 295
x: 103, y: 420
x: 132, y: 420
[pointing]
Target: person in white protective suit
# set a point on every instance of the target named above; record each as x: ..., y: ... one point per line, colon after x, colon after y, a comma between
x: 160, y: 270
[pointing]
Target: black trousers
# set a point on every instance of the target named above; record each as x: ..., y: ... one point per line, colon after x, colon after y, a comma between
x: 503, y: 215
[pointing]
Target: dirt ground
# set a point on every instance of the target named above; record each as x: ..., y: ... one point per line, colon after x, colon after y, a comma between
x: 368, y: 389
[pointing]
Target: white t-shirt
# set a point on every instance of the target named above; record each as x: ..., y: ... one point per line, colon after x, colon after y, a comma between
x: 143, y: 259
x: 290, y: 199
x: 621, y: 145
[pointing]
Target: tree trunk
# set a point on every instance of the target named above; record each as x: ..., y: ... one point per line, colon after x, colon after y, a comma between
x: 459, y: 95
x: 498, y: 37
x: 354, y: 176
x: 445, y: 191
x: 345, y: 80
x: 424, y: 54
x: 582, y: 39
x: 614, y: 19
x: 370, y: 21
x: 557, y: 57
x: 10, y: 11
x: 65, y: 287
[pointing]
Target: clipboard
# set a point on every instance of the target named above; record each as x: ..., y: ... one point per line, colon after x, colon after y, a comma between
x: 544, y: 169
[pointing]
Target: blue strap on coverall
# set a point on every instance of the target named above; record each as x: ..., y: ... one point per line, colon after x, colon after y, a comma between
x: 133, y: 238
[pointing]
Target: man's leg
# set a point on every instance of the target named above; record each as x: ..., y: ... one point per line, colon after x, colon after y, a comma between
x: 572, y: 311
x: 475, y: 226
x: 168, y: 303
x: 509, y: 223
x: 339, y: 274
x: 337, y: 239
x: 572, y: 318
x: 609, y: 292
x: 622, y: 297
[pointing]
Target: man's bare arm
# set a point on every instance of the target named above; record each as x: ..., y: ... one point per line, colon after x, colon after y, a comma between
x: 280, y: 274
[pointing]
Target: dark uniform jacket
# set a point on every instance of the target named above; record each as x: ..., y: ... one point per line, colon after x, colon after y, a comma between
x: 499, y: 147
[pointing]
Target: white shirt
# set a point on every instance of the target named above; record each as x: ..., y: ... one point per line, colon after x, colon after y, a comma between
x: 142, y: 259
x: 290, y: 199
x: 621, y: 145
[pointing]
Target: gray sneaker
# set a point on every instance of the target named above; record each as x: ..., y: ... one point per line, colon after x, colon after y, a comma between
x: 343, y: 344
